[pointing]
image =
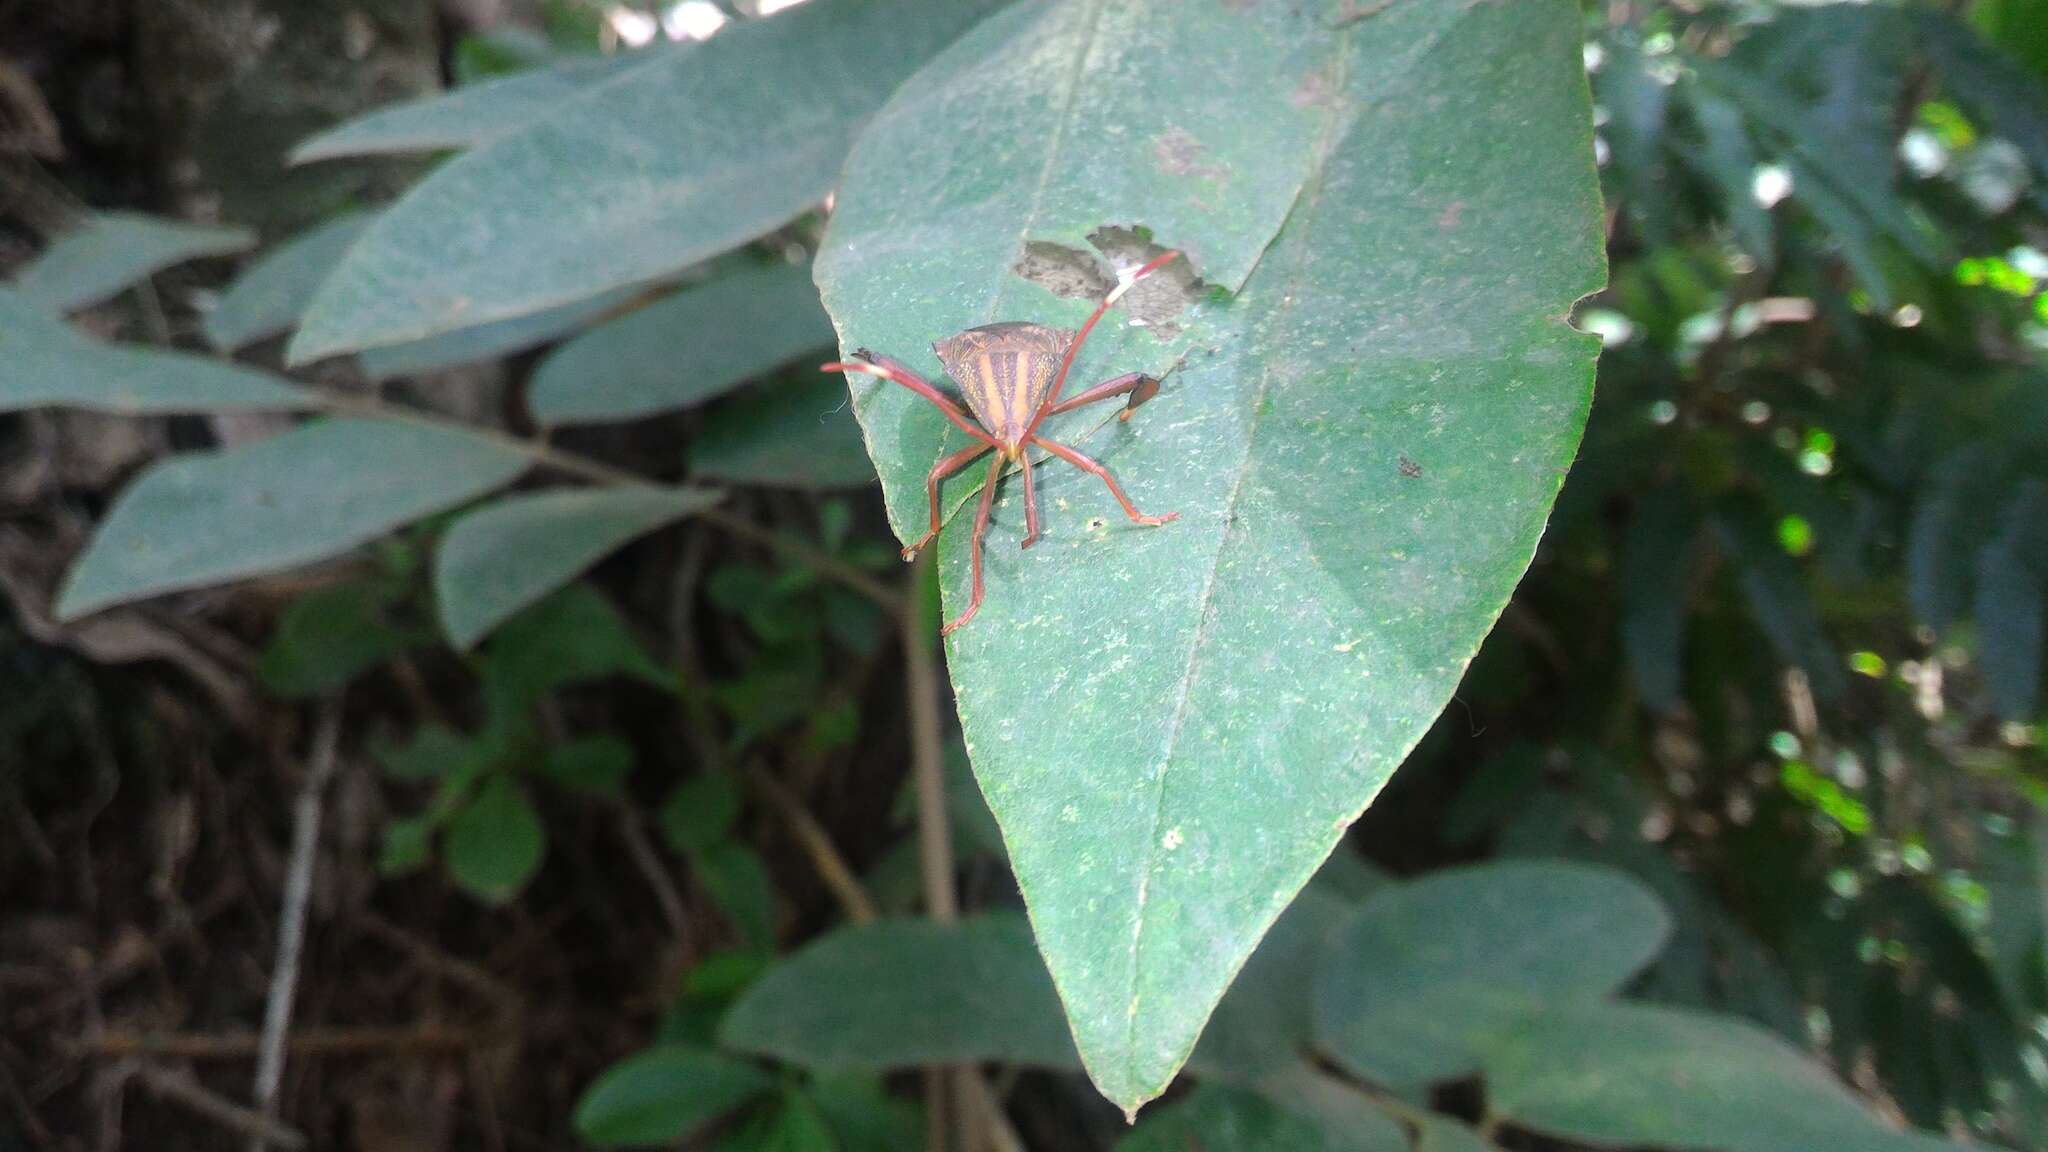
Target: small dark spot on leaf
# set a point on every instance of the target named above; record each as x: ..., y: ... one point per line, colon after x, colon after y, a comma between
x: 1097, y: 523
x: 1180, y: 154
x: 1156, y: 301
x: 1410, y: 468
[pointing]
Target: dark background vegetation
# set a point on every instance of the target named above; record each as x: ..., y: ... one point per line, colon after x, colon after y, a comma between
x: 1778, y: 658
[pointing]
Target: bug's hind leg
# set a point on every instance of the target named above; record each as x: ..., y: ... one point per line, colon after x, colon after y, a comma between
x: 1030, y: 503
x: 974, y: 544
x: 944, y: 468
x: 1115, y: 489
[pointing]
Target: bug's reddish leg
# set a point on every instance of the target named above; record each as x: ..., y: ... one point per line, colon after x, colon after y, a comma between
x: 974, y: 542
x: 940, y: 471
x: 1115, y: 489
x: 1059, y: 379
x: 1030, y: 503
x: 890, y: 370
x: 1140, y: 386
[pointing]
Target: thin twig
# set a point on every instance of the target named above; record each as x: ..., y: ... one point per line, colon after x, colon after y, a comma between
x: 291, y: 928
x: 927, y: 757
x: 825, y: 857
x: 262, y: 1129
x: 645, y: 858
x: 243, y: 1045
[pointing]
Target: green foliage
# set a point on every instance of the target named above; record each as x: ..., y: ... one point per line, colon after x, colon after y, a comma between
x: 112, y: 251
x: 795, y: 435
x: 1307, y: 617
x: 267, y: 299
x: 665, y: 1094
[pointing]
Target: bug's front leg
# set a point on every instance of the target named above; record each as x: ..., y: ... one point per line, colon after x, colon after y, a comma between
x: 1115, y: 489
x: 1140, y: 386
x: 981, y: 514
x: 940, y: 471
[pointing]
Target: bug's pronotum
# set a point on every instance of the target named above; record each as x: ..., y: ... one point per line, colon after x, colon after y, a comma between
x: 1011, y: 375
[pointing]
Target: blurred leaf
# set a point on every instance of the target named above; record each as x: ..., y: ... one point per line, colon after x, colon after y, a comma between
x: 1266, y: 1020
x: 468, y: 116
x: 45, y: 363
x: 572, y: 637
x: 467, y: 345
x: 684, y: 349
x: 269, y: 296
x: 1310, y: 614
x: 1991, y: 84
x: 311, y: 493
x: 668, y: 162
x: 433, y: 752
x: 1779, y: 598
x: 664, y: 1094
x: 700, y: 811
x: 1728, y: 159
x: 1656, y: 570
x: 596, y: 764
x: 331, y: 635
x: 1450, y: 1136
x: 865, y: 1118
x: 797, y: 1126
x: 905, y: 994
x: 793, y: 435
x: 1638, y: 105
x: 509, y: 553
x: 495, y: 841
x: 1625, y: 1074
x: 1948, y: 530
x: 111, y: 250
x: 2012, y: 595
x: 1426, y: 975
x: 738, y: 880
x: 405, y: 847
x: 1214, y: 1119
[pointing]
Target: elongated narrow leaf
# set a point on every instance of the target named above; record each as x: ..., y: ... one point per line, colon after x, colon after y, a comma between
x: 669, y: 162
x: 664, y: 1094
x: 2012, y: 600
x: 268, y: 298
x: 1728, y: 160
x: 906, y: 993
x: 1413, y: 988
x: 695, y: 345
x: 486, y: 341
x: 508, y: 554
x: 1992, y: 84
x: 1362, y: 445
x: 1656, y: 563
x: 45, y: 363
x: 466, y: 117
x: 113, y: 250
x: 1627, y: 1075
x: 1779, y: 597
x: 209, y: 517
x: 799, y: 435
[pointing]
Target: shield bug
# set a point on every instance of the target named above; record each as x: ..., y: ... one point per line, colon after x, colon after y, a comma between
x: 1011, y: 375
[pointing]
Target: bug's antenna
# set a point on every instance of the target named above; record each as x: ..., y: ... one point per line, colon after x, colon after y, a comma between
x: 1059, y: 379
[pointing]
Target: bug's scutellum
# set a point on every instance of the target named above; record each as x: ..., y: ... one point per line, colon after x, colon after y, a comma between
x: 1011, y: 375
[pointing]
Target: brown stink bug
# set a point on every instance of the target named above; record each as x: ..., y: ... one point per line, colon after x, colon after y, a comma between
x: 1011, y: 375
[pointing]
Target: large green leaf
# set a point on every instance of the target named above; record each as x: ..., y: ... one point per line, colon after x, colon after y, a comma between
x: 1628, y: 1074
x: 508, y: 554
x: 695, y: 345
x: 466, y: 117
x: 1175, y: 725
x: 662, y: 1095
x: 663, y: 165
x: 905, y: 993
x: 46, y: 363
x: 112, y: 250
x: 1414, y: 986
x: 317, y: 491
x: 783, y: 435
x: 268, y: 298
